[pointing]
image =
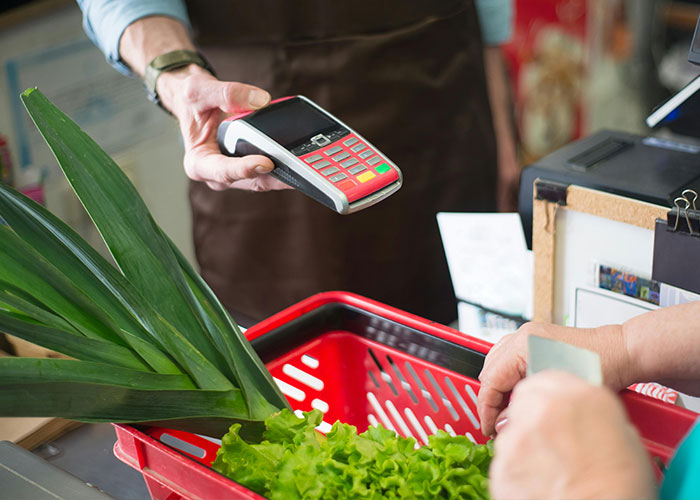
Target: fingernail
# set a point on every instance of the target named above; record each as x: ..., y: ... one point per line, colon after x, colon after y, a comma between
x: 258, y: 98
x: 500, y: 425
x: 262, y: 170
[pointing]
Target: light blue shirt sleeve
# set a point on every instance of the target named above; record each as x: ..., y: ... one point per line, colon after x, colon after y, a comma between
x: 104, y: 21
x: 496, y: 20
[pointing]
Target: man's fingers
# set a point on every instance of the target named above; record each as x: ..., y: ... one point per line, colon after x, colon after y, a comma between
x: 217, y: 168
x: 222, y: 172
x: 230, y: 97
x: 261, y: 183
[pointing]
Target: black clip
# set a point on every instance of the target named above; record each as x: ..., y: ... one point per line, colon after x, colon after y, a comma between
x: 554, y: 192
x: 684, y: 217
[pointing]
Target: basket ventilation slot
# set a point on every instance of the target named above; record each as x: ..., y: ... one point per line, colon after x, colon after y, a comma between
x: 405, y: 385
x: 405, y: 421
x: 446, y: 402
x: 424, y: 392
x: 400, y: 380
x: 301, y: 376
x: 320, y: 405
x: 385, y: 376
x: 310, y: 361
x: 289, y: 390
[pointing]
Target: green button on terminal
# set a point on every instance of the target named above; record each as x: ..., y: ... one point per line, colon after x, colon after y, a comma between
x: 382, y: 168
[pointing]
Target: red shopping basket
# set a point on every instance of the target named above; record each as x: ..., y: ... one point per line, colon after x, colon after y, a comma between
x: 362, y: 363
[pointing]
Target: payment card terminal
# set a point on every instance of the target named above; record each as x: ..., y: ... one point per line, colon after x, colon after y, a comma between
x: 313, y: 152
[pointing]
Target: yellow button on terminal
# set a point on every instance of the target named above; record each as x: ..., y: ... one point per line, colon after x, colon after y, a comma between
x: 366, y: 176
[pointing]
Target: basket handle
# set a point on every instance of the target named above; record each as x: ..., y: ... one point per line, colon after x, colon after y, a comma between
x: 194, y: 446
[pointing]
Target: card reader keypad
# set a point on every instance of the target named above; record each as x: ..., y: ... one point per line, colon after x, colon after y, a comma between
x: 349, y: 163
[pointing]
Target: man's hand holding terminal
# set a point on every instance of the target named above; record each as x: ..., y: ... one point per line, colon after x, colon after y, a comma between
x: 200, y: 102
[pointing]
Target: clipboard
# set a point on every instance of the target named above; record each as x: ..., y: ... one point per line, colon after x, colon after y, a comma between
x: 677, y: 244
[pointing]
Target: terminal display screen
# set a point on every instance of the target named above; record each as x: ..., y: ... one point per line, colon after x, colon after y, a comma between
x: 291, y: 122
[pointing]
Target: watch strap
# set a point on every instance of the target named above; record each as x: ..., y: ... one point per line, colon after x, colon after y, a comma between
x: 168, y: 62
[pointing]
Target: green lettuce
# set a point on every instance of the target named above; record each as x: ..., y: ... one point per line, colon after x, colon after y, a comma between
x: 294, y: 461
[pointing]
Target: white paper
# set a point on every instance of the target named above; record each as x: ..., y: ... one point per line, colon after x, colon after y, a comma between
x: 488, y: 259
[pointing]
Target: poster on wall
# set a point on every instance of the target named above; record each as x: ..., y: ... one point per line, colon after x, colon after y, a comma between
x: 547, y: 60
x: 112, y: 109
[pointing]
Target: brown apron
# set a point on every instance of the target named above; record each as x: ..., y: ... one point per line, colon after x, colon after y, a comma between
x: 406, y: 74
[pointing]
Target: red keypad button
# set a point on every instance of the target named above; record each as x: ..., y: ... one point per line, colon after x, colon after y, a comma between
x: 345, y: 185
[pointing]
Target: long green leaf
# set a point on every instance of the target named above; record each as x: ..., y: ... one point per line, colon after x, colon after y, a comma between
x: 259, y: 389
x: 68, y: 343
x: 41, y: 327
x: 88, y: 270
x: 22, y: 266
x: 14, y: 299
x: 153, y: 302
x: 67, y: 251
x: 200, y: 411
x: 121, y: 216
x: 34, y: 371
x: 93, y: 392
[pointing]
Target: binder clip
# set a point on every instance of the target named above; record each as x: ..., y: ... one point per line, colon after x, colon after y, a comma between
x: 677, y: 243
x: 684, y: 216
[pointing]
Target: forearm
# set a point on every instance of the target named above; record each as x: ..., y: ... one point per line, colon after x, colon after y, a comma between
x: 664, y: 346
x: 149, y: 37
x: 508, y: 169
x: 500, y: 102
x: 152, y: 36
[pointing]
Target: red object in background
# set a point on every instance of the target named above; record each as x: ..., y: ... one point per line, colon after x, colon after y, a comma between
x: 367, y: 362
x: 546, y: 58
x: 35, y: 192
x: 5, y: 161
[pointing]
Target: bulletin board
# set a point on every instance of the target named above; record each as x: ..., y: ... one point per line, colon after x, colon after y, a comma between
x: 592, y: 228
x: 577, y: 237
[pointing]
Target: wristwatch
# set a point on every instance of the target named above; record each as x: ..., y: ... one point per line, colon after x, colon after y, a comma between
x: 169, y: 62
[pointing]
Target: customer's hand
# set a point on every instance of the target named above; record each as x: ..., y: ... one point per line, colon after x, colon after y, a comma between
x: 200, y: 102
x: 506, y: 364
x: 568, y: 439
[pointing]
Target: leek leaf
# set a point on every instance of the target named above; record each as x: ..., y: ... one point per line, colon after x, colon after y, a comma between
x: 22, y: 266
x: 153, y: 343
x: 68, y: 343
x: 249, y: 369
x: 132, y: 236
x: 32, y: 370
x: 68, y: 252
x: 11, y: 300
x: 92, y: 392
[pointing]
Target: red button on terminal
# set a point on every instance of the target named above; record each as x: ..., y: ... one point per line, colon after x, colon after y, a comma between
x: 345, y: 185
